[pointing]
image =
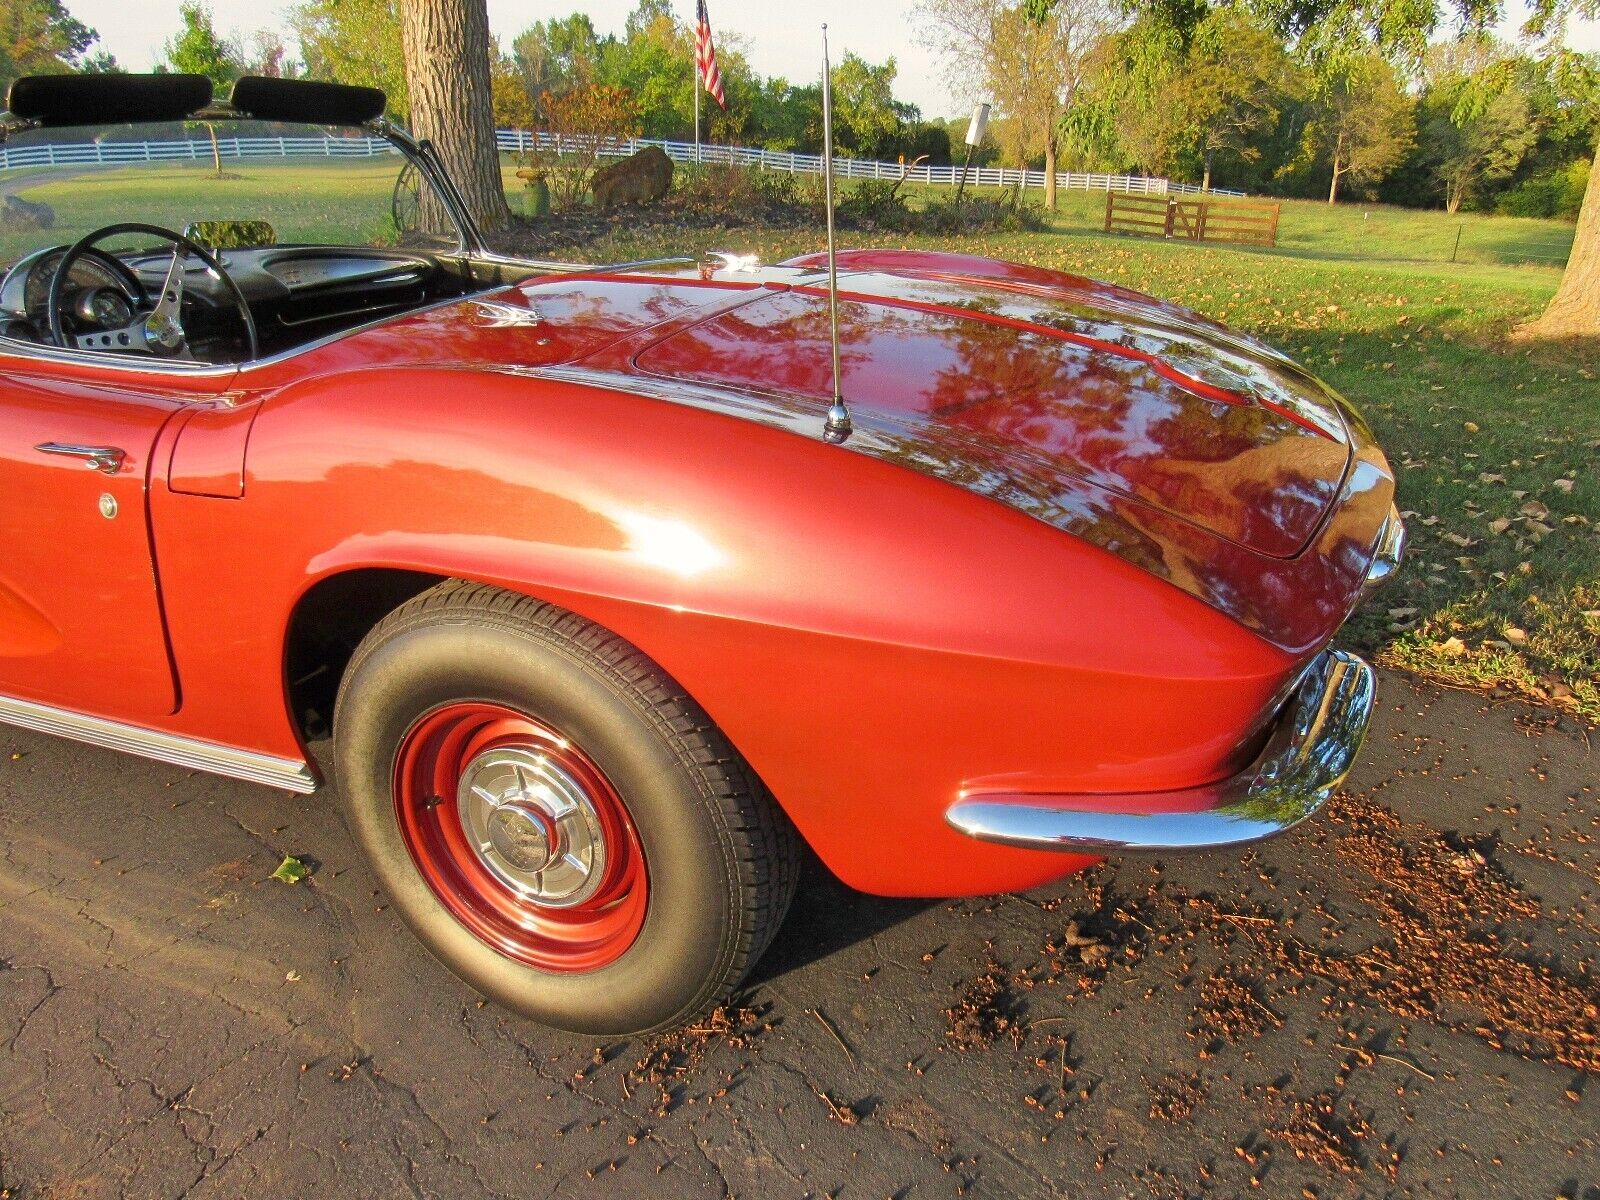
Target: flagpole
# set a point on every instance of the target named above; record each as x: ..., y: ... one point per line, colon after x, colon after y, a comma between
x: 697, y: 111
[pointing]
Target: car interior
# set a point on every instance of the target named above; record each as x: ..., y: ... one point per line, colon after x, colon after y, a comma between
x: 295, y: 295
x: 223, y: 291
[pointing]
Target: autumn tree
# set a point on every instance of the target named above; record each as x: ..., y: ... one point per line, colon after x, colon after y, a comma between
x: 1362, y: 125
x: 40, y: 37
x: 512, y: 102
x: 1231, y: 85
x: 447, y: 59
x: 1030, y: 56
x: 585, y: 120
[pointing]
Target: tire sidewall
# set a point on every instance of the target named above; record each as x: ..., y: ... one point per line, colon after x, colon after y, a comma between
x: 681, y: 955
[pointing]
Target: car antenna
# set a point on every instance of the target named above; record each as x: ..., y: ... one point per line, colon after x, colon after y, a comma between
x: 837, y: 427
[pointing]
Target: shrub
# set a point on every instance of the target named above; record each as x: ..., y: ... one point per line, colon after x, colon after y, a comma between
x: 875, y: 204
x: 1555, y: 193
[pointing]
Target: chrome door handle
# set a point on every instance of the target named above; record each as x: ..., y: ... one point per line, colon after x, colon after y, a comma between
x: 107, y: 459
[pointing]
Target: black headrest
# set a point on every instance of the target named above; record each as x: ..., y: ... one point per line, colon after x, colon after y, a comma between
x: 308, y: 101
x: 107, y: 99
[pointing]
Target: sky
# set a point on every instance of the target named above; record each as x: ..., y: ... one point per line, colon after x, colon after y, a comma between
x: 780, y: 38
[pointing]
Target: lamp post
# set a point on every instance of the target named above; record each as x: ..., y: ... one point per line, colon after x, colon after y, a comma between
x: 975, y: 128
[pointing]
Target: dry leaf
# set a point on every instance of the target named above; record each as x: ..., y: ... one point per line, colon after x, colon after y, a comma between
x: 1499, y: 524
x: 1454, y: 647
x: 1470, y: 426
x: 1535, y: 510
x: 1564, y: 486
x: 1516, y: 636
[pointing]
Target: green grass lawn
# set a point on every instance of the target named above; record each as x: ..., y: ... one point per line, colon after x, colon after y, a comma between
x: 306, y: 200
x: 1375, y: 232
x: 1497, y: 448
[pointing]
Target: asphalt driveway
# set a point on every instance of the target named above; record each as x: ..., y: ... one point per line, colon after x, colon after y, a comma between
x: 1398, y: 999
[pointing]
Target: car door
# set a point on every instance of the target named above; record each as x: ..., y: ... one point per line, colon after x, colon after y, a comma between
x: 80, y: 606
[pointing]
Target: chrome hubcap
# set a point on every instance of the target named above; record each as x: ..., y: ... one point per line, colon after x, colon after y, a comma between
x: 532, y: 826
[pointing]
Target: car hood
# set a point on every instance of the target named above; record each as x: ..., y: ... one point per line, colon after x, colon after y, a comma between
x: 1044, y: 382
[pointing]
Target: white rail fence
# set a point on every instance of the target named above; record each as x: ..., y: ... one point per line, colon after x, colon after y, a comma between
x: 116, y: 153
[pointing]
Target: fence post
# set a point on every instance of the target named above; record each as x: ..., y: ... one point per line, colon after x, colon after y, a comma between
x: 1172, y: 206
x: 1272, y: 233
x: 1454, y: 250
x: 1109, y: 201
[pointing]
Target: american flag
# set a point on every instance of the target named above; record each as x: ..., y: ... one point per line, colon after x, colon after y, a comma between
x: 705, y: 56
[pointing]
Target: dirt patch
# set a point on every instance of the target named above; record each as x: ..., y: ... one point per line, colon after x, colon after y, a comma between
x: 986, y: 1010
x: 1230, y: 1008
x: 1447, y: 957
x: 1176, y: 1097
x: 672, y: 1059
x: 1332, y: 1135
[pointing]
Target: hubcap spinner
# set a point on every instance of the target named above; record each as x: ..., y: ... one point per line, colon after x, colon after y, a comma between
x: 532, y: 826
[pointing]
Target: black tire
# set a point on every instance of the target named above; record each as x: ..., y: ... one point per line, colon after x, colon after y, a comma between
x: 721, y: 857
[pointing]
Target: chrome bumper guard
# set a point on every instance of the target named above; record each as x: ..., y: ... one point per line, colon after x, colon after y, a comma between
x: 1304, y: 762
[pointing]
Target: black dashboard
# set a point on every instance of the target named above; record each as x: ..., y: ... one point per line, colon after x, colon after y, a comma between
x: 296, y: 294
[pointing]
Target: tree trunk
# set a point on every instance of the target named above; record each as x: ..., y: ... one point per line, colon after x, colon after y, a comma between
x: 447, y: 75
x: 1338, y: 153
x: 1575, y: 311
x: 1050, y: 173
x: 1205, y: 180
x: 216, y: 150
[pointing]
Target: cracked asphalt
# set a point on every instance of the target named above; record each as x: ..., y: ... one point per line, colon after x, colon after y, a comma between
x: 1400, y: 998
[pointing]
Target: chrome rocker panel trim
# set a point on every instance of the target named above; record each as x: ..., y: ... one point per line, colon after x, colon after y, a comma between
x: 1304, y: 762
x: 290, y: 774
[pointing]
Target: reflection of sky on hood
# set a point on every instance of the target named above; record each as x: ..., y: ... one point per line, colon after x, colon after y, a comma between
x: 1203, y: 353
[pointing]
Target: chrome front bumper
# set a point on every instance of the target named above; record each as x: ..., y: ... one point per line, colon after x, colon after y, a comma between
x: 1305, y: 760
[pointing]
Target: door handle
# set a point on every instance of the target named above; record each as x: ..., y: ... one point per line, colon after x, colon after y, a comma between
x: 106, y: 459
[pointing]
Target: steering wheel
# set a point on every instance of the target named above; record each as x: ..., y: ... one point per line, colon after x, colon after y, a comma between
x: 158, y: 331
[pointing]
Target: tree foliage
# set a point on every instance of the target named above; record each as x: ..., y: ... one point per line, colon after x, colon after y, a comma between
x: 1360, y: 125
x: 40, y: 37
x: 1030, y: 56
x: 200, y: 50
x: 354, y: 41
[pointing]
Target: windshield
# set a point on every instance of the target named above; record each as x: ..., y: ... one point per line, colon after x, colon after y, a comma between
x: 242, y: 182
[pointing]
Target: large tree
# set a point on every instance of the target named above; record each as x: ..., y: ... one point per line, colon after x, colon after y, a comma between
x: 1362, y: 123
x: 447, y: 55
x: 1233, y: 84
x: 1030, y: 56
x: 200, y: 50
x: 1470, y: 141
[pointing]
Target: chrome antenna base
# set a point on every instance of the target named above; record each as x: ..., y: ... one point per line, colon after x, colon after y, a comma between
x: 838, y: 426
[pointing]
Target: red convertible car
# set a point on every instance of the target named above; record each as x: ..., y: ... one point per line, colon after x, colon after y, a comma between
x: 605, y: 618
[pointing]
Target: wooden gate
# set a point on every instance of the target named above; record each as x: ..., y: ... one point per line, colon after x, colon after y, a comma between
x: 1197, y: 220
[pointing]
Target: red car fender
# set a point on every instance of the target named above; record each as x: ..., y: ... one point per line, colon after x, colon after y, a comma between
x: 872, y: 640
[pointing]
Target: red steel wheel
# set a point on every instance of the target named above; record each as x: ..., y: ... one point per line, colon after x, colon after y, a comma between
x: 557, y: 821
x: 521, y: 836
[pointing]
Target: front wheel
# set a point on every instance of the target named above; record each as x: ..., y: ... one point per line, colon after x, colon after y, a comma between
x: 556, y: 820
